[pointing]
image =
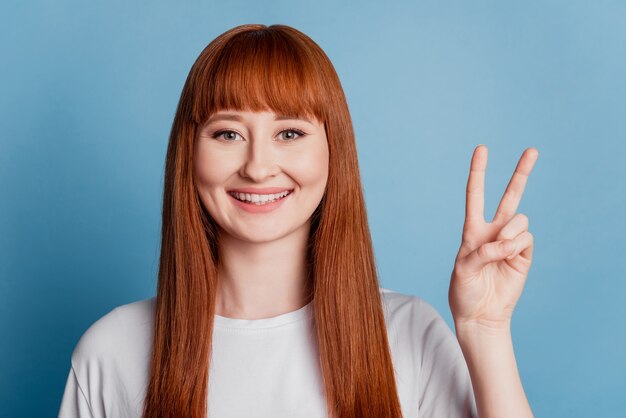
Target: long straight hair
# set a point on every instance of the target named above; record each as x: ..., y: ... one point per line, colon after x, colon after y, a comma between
x: 258, y: 67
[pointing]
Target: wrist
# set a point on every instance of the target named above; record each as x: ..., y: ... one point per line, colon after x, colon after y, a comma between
x: 477, y: 331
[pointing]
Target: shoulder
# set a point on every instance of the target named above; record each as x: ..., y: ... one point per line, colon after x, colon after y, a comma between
x: 110, y: 362
x: 413, y: 325
x: 430, y: 368
x: 399, y: 308
x: 122, y: 335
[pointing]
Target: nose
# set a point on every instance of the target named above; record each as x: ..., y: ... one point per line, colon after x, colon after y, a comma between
x: 260, y: 162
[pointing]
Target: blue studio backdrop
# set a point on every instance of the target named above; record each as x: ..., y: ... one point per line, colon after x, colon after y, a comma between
x: 88, y: 94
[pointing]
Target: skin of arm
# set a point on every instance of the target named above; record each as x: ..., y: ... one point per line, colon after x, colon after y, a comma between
x: 493, y: 370
x: 489, y: 274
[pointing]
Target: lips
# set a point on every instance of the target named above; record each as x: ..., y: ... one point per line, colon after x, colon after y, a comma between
x: 264, y: 190
x: 255, y: 203
x: 259, y: 199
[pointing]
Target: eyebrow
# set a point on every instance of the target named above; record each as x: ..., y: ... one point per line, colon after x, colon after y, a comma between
x: 236, y: 117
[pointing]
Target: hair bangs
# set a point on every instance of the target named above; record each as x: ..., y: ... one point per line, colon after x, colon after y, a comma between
x: 261, y: 71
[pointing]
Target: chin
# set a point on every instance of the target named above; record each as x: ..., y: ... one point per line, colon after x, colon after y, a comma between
x: 259, y: 238
x: 260, y: 234
x: 263, y: 231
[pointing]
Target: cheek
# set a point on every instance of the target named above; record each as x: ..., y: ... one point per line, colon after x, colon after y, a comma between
x: 211, y: 168
x: 311, y: 168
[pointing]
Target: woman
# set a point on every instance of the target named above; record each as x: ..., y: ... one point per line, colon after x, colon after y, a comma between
x: 268, y: 302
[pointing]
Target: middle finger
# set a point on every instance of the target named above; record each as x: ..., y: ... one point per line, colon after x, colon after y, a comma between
x: 514, y: 191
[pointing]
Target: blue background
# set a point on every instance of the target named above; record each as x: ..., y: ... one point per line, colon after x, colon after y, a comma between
x: 88, y: 94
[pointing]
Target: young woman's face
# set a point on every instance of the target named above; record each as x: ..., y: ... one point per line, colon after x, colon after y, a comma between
x: 261, y: 175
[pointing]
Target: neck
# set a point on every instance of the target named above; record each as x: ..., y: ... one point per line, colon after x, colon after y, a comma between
x: 262, y: 279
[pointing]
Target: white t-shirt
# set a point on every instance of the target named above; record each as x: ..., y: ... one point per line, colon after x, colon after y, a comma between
x: 267, y: 368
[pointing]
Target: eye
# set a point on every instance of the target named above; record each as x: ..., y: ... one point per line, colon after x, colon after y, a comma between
x: 291, y: 134
x: 227, y: 135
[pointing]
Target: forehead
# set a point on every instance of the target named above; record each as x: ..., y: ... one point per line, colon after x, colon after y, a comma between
x: 272, y: 69
x: 259, y: 87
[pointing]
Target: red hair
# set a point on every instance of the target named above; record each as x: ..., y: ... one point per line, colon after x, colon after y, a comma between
x: 258, y: 67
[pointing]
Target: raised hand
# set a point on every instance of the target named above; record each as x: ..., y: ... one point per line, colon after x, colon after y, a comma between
x: 494, y: 258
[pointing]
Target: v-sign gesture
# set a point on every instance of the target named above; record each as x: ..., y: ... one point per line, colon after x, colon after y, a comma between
x: 494, y: 258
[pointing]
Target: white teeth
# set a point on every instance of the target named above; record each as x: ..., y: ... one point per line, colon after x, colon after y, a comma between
x: 259, y: 199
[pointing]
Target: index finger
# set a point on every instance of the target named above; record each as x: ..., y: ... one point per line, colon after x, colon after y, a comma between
x: 475, y: 192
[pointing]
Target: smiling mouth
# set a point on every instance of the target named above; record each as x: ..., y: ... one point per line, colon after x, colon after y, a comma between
x: 260, y: 199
